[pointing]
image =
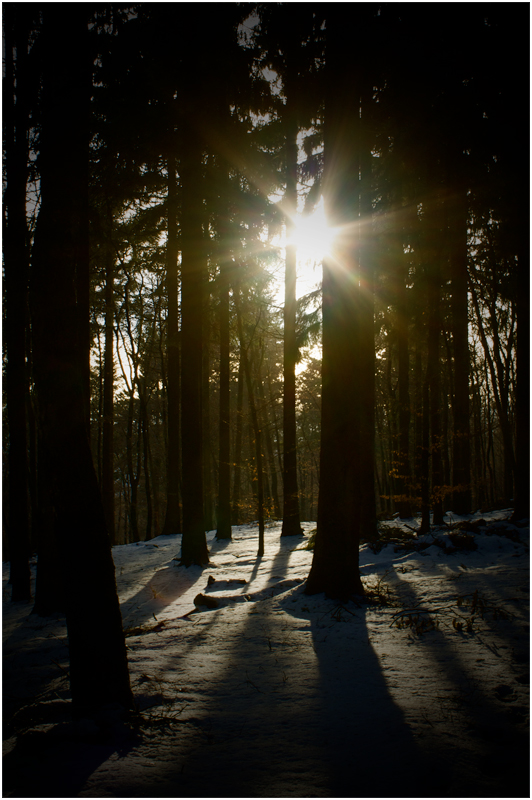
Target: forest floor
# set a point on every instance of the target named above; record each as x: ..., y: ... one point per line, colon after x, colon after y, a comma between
x: 422, y: 692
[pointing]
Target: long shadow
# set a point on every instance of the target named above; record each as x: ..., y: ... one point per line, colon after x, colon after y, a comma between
x: 220, y: 544
x: 305, y: 712
x: 160, y: 591
x: 495, y: 762
x: 369, y: 749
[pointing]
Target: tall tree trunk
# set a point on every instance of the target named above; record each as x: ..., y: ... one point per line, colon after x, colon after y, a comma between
x: 132, y: 474
x: 461, y: 474
x: 403, y: 367
x: 145, y: 430
x: 108, y: 479
x: 269, y: 450
x: 16, y: 280
x: 346, y: 505
x: 98, y: 662
x: 237, y: 463
x: 194, y: 543
x: 425, y: 457
x: 256, y: 431
x: 433, y: 232
x: 223, y: 512
x: 172, y: 522
x: 418, y: 413
x: 291, y: 522
x: 522, y: 395
x: 223, y: 515
x: 208, y: 482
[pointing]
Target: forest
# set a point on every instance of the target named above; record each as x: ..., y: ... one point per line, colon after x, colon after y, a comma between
x: 189, y: 346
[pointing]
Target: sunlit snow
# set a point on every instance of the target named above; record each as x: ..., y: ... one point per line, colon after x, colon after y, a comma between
x: 423, y: 692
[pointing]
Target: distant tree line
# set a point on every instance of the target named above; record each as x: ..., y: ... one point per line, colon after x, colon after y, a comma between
x: 151, y: 383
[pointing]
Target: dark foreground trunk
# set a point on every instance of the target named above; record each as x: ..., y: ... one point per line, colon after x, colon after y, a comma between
x: 16, y: 29
x: 98, y: 662
x: 346, y: 505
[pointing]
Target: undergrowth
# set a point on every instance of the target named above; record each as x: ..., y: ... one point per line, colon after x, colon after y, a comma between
x: 462, y: 614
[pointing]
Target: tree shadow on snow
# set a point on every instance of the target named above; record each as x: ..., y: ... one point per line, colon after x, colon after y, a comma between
x: 486, y: 754
x: 305, y: 712
x: 368, y: 747
x: 160, y: 591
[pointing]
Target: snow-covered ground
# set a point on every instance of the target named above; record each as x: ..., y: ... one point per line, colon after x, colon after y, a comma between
x: 422, y: 692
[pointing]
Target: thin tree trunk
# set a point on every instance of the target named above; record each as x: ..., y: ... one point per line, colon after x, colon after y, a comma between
x: 108, y: 481
x: 208, y: 482
x: 275, y: 423
x: 256, y: 432
x: 143, y: 410
x: 433, y: 361
x: 291, y: 522
x: 194, y: 543
x: 133, y: 476
x: 172, y: 522
x: 501, y: 402
x: 237, y: 464
x: 418, y: 414
x: 403, y: 366
x: 425, y: 457
x: 461, y: 476
x: 223, y: 512
x: 269, y: 450
x: 522, y: 393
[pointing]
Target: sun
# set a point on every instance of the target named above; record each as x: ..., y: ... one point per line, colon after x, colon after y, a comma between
x: 313, y: 237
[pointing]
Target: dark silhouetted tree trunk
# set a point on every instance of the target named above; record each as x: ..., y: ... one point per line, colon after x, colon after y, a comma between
x: 255, y: 432
x: 433, y: 241
x: 291, y: 521
x: 193, y: 267
x: 269, y: 450
x: 17, y: 29
x: 208, y: 460
x: 522, y: 399
x: 461, y: 475
x: 403, y: 368
x: 346, y: 505
x: 98, y: 662
x: 223, y: 514
x: 172, y: 522
x: 108, y: 478
x: 237, y: 463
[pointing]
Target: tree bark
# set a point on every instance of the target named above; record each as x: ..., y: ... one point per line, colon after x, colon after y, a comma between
x: 224, y: 438
x: 291, y: 522
x: 172, y: 522
x: 346, y: 505
x: 16, y: 283
x: 194, y: 543
x: 237, y: 463
x: 108, y: 481
x: 98, y: 662
x: 403, y: 367
x: 461, y: 472
x: 433, y: 242
x: 522, y: 396
x: 257, y: 437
